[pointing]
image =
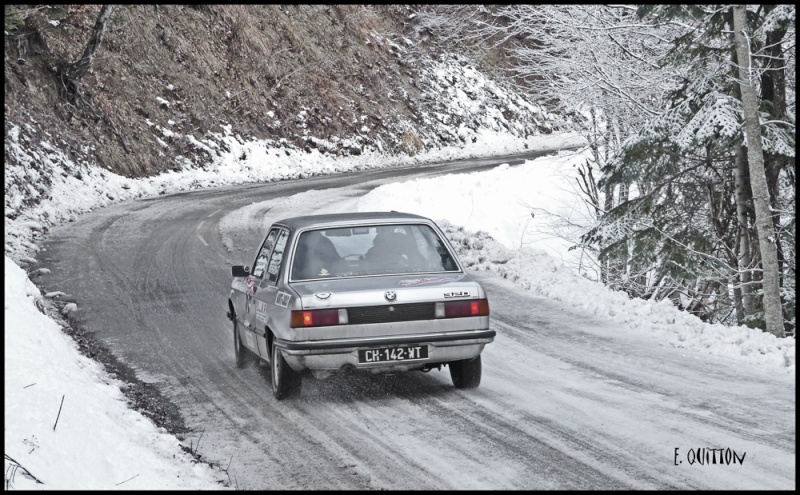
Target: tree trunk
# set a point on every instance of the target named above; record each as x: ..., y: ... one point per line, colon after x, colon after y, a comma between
x: 76, y: 70
x: 745, y: 254
x: 773, y: 92
x: 773, y: 313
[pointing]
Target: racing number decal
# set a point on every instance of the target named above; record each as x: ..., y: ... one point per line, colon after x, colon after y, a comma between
x: 282, y: 299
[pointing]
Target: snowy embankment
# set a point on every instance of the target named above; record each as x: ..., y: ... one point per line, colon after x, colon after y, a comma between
x: 542, y: 274
x: 67, y: 423
x: 79, y: 188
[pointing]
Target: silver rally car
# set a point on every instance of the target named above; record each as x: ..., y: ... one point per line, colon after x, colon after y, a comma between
x: 379, y: 292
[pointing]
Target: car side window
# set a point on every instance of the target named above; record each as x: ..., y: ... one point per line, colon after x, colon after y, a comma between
x: 277, y: 256
x: 261, y: 259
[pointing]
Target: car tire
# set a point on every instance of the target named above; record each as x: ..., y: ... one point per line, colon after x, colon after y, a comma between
x: 466, y: 373
x: 286, y: 382
x: 243, y: 355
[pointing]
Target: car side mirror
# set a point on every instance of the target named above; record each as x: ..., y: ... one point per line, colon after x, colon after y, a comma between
x: 240, y: 271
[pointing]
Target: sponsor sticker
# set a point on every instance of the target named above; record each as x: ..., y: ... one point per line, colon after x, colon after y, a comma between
x: 420, y: 281
x: 250, y: 288
x: 282, y: 299
x: 261, y: 311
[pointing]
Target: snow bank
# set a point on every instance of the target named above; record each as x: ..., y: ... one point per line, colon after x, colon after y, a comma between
x: 542, y: 274
x: 93, y: 441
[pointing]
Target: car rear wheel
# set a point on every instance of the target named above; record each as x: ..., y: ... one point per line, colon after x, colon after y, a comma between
x: 466, y: 373
x: 285, y: 381
x: 243, y: 355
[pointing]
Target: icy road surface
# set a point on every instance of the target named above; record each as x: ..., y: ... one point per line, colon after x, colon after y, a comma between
x: 567, y: 401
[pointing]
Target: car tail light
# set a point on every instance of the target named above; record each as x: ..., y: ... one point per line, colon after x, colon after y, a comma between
x: 319, y: 318
x: 459, y: 309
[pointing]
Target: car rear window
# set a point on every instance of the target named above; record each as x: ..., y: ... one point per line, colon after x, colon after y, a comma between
x: 370, y: 250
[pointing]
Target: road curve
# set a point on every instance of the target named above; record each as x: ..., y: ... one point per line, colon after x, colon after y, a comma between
x: 567, y: 401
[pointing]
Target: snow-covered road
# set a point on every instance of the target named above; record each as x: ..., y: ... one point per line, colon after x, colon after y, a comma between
x: 568, y: 400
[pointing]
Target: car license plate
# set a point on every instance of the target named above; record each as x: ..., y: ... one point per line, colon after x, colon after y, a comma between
x: 385, y: 354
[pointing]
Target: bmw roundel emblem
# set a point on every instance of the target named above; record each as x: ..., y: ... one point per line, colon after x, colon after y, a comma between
x: 390, y: 295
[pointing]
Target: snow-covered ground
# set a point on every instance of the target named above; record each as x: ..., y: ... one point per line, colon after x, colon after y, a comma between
x: 67, y: 425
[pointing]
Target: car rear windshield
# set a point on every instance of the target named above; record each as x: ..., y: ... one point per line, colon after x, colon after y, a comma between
x: 370, y: 250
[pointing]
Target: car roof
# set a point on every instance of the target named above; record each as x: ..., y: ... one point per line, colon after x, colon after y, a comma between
x: 334, y: 219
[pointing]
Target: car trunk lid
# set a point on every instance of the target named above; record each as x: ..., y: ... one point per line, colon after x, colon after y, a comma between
x: 406, y: 291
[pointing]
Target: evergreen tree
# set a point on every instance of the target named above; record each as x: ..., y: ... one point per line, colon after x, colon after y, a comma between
x: 681, y: 231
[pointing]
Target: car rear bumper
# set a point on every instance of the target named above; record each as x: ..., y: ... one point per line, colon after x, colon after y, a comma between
x: 334, y: 354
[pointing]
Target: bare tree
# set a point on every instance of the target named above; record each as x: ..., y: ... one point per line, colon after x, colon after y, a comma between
x: 73, y: 72
x: 596, y: 63
x: 745, y: 252
x: 758, y: 181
